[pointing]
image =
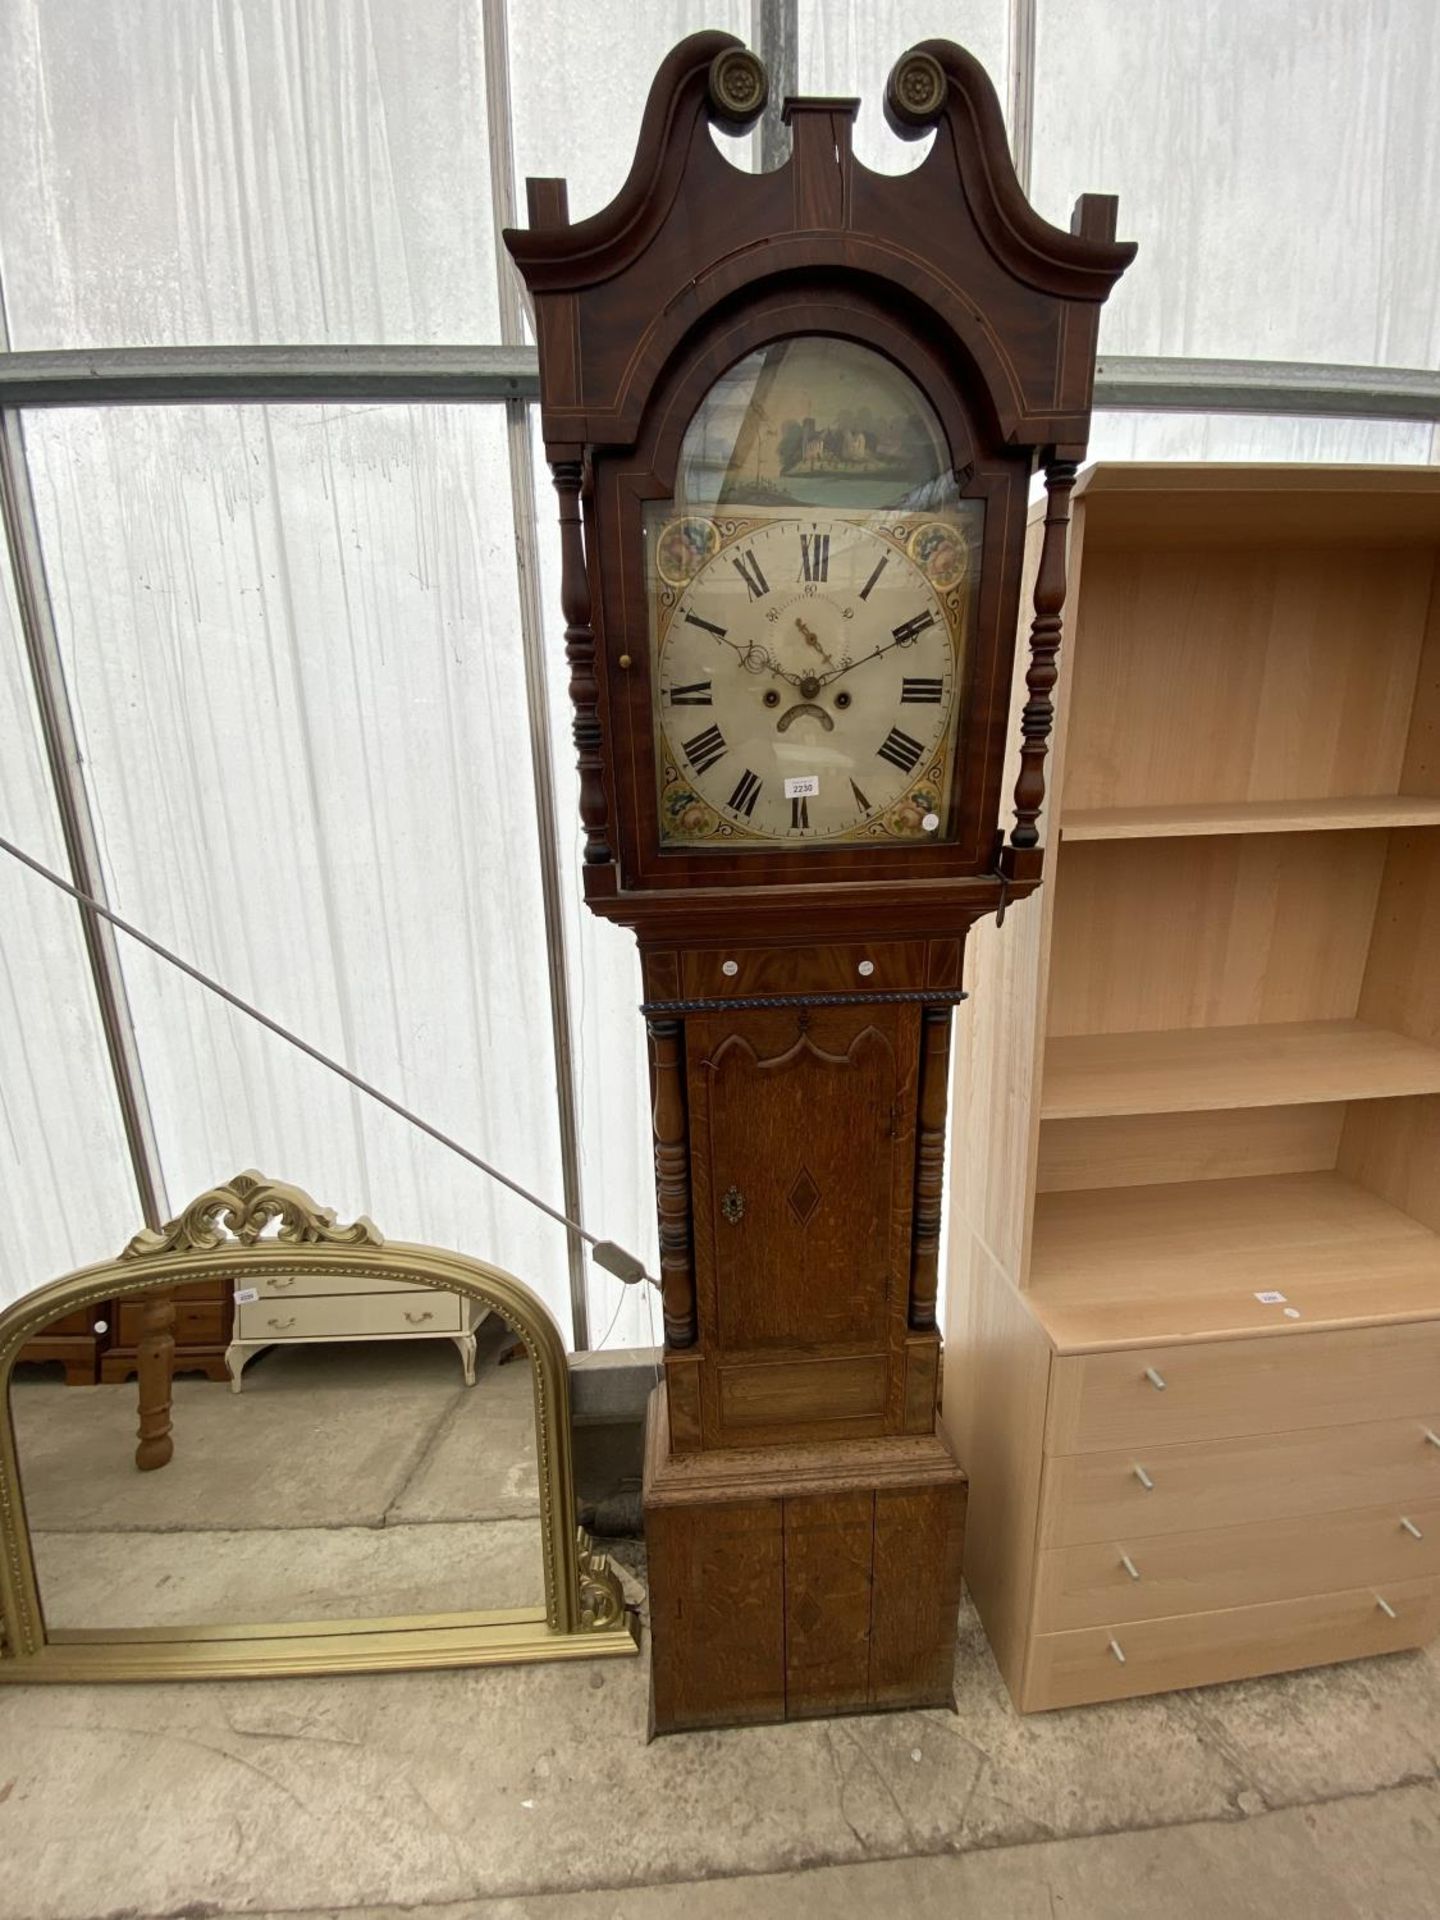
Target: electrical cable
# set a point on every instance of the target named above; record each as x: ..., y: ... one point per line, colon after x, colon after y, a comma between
x: 605, y: 1253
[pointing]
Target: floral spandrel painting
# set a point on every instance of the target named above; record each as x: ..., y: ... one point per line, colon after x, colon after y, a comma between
x: 810, y: 422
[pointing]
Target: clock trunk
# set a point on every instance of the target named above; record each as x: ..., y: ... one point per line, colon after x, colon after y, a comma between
x: 793, y: 418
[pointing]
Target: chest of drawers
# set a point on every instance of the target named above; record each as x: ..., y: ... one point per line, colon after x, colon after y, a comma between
x: 293, y: 1309
x: 1218, y: 1509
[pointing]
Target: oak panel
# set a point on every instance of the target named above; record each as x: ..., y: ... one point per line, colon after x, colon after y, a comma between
x: 716, y: 1577
x: 805, y: 1391
x: 912, y: 1632
x: 829, y: 1549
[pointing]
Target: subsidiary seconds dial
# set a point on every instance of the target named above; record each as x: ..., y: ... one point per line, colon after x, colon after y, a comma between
x: 806, y: 686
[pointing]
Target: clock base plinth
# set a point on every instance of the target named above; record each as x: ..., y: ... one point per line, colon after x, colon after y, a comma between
x: 788, y: 1583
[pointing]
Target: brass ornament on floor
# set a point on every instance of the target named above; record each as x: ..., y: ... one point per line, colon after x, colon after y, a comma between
x: 221, y: 1235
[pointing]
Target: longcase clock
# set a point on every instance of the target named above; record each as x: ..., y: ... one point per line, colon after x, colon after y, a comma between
x: 792, y: 418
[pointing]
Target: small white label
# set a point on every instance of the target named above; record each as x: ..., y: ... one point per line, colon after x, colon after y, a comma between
x: 246, y: 1296
x: 930, y: 822
x: 1292, y: 1313
x: 1271, y: 1299
x: 805, y: 786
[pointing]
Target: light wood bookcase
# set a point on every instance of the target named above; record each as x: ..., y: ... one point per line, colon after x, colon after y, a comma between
x: 1202, y: 1066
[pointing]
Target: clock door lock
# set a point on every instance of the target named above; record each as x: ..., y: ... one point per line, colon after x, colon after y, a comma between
x: 733, y: 1206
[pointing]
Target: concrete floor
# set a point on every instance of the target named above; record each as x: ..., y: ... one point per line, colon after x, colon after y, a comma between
x: 531, y: 1792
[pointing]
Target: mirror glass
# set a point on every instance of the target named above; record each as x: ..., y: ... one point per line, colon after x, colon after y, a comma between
x: 355, y: 1474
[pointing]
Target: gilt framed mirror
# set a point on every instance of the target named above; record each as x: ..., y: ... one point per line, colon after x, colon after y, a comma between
x: 381, y: 1479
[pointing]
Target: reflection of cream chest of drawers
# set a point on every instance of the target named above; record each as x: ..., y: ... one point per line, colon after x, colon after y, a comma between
x: 295, y: 1309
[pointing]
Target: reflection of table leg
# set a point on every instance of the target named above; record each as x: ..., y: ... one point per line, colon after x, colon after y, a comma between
x: 236, y: 1355
x: 155, y: 1372
x: 466, y: 1344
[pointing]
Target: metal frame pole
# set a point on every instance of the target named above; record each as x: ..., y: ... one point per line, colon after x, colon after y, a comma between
x: 160, y: 376
x: 775, y: 29
x: 532, y: 641
x: 1022, y: 89
x: 82, y: 850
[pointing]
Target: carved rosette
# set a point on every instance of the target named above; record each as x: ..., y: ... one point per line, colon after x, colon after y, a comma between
x: 738, y: 87
x: 239, y: 1212
x: 915, y: 91
x: 602, y: 1599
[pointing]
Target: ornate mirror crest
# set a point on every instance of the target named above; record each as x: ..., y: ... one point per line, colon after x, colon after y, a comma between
x: 222, y: 1235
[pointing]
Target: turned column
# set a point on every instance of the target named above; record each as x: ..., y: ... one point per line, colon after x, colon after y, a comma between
x: 580, y: 654
x: 1045, y: 631
x: 672, y: 1182
x: 929, y: 1166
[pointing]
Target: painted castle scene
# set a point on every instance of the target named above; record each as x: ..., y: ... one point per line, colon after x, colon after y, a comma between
x: 812, y: 422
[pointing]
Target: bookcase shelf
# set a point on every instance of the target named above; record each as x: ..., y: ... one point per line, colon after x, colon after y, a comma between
x: 1137, y: 1266
x: 1203, y: 1065
x: 1251, y: 816
x: 1195, y: 1069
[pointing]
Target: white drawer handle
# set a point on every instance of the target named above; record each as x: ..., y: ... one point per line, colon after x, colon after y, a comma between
x: 1118, y: 1651
x: 1156, y: 1380
x: 280, y: 1326
x: 1411, y: 1528
x: 418, y: 1319
x: 1386, y: 1608
x: 1143, y: 1477
x: 284, y: 1280
x: 1130, y: 1566
x: 1432, y: 1437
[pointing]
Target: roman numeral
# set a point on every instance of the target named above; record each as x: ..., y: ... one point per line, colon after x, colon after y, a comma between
x: 865, y: 590
x: 925, y: 692
x: 910, y: 630
x: 705, y: 626
x: 799, y: 814
x: 705, y: 749
x: 901, y: 751
x: 748, y: 568
x: 860, y: 800
x: 747, y: 792
x: 815, y: 556
x: 700, y: 694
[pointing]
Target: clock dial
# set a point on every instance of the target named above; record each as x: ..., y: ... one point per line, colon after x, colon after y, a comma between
x: 806, y: 684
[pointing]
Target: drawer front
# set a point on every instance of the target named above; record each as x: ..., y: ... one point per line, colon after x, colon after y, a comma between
x: 306, y: 1286
x: 342, y: 1316
x: 196, y: 1323
x: 1265, y: 1385
x: 81, y: 1322
x: 890, y: 964
x: 1199, y: 1649
x: 1234, y: 1566
x: 1227, y: 1483
x: 216, y: 1289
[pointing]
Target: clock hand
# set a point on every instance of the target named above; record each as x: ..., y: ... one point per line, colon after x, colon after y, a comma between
x: 757, y: 659
x: 836, y: 673
x: 811, y: 641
